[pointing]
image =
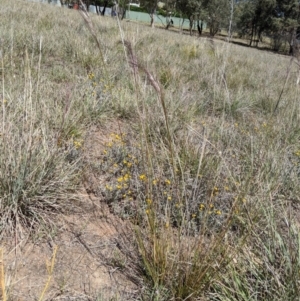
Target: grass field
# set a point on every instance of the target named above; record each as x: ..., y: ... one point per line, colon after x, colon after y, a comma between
x: 199, y: 154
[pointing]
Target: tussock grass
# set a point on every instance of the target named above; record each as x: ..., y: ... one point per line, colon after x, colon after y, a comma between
x: 208, y: 175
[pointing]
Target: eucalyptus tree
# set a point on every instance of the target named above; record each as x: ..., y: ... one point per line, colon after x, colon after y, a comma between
x: 289, y: 21
x: 257, y: 17
x: 151, y: 7
x: 217, y: 14
x: 190, y: 9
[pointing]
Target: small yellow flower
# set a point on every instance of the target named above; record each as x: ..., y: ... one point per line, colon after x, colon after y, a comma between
x: 226, y: 188
x: 193, y: 215
x: 167, y: 225
x: 168, y: 182
x: 77, y: 144
x: 115, y: 165
x: 148, y: 211
x: 154, y: 182
x: 149, y: 201
x: 143, y: 177
x: 218, y: 212
x: 105, y: 152
x: 120, y: 179
x: 169, y: 198
x: 201, y: 207
x: 108, y: 187
x: 119, y: 187
x: 211, y: 205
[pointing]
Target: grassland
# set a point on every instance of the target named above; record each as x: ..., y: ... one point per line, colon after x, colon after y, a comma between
x: 199, y: 155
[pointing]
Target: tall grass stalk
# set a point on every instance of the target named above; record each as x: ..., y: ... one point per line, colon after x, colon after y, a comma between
x: 2, y: 276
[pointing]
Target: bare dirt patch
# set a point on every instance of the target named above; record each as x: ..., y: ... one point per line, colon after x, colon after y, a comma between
x: 88, y: 263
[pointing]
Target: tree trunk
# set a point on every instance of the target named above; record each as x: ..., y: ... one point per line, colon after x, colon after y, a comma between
x: 251, y: 37
x: 191, y: 25
x: 152, y: 20
x: 199, y: 27
x: 255, y: 34
x: 104, y: 8
x: 123, y: 13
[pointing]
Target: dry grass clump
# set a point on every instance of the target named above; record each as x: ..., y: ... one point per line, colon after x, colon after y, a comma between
x: 49, y: 96
x: 208, y: 176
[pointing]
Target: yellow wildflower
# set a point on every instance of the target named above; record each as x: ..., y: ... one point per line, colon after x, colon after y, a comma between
x: 77, y: 144
x: 108, y: 187
x: 126, y: 177
x: 120, y: 179
x: 143, y: 177
x: 168, y: 182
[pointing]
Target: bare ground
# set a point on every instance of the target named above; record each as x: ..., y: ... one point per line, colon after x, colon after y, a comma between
x: 88, y: 263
